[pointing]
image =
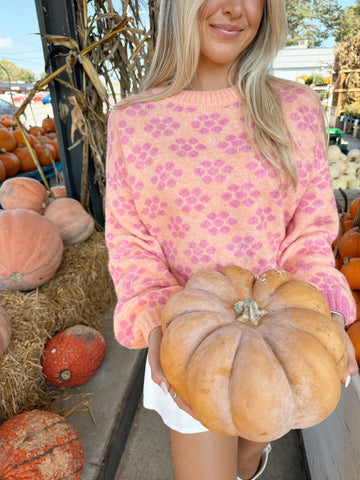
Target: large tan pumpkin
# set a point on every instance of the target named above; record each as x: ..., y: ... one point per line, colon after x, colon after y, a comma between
x: 253, y: 356
x: 74, y: 223
x: 30, y: 249
x: 24, y: 192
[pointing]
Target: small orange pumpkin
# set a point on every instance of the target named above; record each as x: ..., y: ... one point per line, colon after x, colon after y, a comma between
x: 356, y: 295
x: 349, y: 245
x: 7, y: 140
x: 351, y: 270
x: 354, y: 207
x: 24, y: 192
x: 27, y: 163
x: 5, y: 330
x: 74, y: 223
x: 48, y: 125
x: 253, y: 356
x: 45, y: 153
x: 30, y: 250
x: 2, y: 171
x: 73, y: 356
x: 354, y: 333
x: 40, y: 445
x: 11, y: 163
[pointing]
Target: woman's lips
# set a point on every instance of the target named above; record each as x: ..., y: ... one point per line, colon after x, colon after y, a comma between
x: 227, y: 32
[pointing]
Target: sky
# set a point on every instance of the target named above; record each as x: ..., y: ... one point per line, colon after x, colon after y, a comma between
x: 19, y: 42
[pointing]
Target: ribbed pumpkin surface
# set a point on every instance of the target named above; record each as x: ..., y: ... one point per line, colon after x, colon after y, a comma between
x: 253, y: 356
x: 73, y: 356
x: 30, y: 249
x: 39, y: 445
x: 24, y: 192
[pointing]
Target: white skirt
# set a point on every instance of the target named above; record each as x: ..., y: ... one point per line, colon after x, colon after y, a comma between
x: 173, y: 416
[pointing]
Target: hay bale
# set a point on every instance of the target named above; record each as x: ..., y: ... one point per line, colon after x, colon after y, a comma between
x: 80, y: 293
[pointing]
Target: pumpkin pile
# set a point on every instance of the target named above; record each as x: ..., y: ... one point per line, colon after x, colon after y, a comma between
x: 15, y: 156
x: 39, y: 445
x: 253, y: 356
x: 347, y: 260
x: 344, y: 169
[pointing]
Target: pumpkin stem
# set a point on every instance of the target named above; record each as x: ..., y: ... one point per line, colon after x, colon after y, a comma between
x: 247, y: 311
x: 65, y: 375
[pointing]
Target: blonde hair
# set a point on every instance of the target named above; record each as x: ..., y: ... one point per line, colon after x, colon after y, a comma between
x: 175, y: 63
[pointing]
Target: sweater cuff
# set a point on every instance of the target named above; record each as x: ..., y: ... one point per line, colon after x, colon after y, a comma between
x: 342, y: 306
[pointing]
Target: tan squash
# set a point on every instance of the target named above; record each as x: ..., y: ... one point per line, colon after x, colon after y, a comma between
x: 74, y: 223
x: 253, y: 356
x: 24, y: 192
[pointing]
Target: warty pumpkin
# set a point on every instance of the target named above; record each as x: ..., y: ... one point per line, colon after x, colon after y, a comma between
x: 73, y: 356
x: 74, y: 223
x: 253, y: 356
x: 24, y: 192
x: 30, y: 249
x: 40, y: 445
x: 5, y: 330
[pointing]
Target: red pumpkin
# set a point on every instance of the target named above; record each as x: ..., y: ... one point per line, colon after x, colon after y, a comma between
x: 40, y: 445
x: 24, y: 192
x: 5, y: 330
x: 30, y: 249
x: 74, y: 223
x: 73, y: 356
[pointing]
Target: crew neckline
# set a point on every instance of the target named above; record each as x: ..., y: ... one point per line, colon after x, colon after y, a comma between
x: 218, y: 97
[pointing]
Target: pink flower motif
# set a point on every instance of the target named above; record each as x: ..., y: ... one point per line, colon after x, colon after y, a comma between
x: 314, y: 247
x: 210, y: 123
x: 183, y: 274
x: 274, y: 239
x: 306, y: 118
x: 234, y: 144
x: 154, y: 208
x: 139, y: 109
x: 166, y: 176
x: 213, y: 171
x: 117, y: 180
x: 170, y: 250
x: 124, y: 207
x: 218, y: 223
x: 244, y: 194
x: 291, y: 94
x: 264, y: 264
x: 191, y: 200
x: 261, y: 167
x: 310, y: 203
x: 179, y: 108
x: 178, y: 228
x: 262, y: 218
x: 125, y: 334
x: 162, y: 126
x: 142, y: 156
x: 187, y: 148
x: 244, y: 246
x: 199, y: 251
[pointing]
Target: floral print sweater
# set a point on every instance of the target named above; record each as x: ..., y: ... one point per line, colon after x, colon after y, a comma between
x: 187, y: 190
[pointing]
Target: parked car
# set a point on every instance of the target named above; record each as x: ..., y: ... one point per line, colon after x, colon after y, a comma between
x: 46, y: 99
x: 6, y: 108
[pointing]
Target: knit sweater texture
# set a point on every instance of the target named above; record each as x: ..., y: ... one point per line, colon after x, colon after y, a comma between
x: 188, y: 190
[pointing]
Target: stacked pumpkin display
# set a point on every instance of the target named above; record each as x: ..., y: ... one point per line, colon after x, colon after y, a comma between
x: 15, y: 156
x: 347, y: 260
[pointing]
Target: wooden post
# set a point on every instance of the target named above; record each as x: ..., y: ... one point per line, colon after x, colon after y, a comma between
x: 339, y: 102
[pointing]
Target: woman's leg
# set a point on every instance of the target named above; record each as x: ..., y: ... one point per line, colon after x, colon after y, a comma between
x: 249, y: 454
x: 204, y: 456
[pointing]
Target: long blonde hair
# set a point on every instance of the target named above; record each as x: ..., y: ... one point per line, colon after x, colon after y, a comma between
x: 175, y: 63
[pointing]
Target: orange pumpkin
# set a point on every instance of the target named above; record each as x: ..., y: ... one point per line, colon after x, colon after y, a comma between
x: 59, y: 191
x: 74, y: 223
x: 7, y: 140
x: 5, y: 331
x: 24, y: 192
x: 351, y: 271
x: 349, y: 245
x: 2, y: 171
x: 45, y: 153
x: 253, y: 356
x: 7, y: 121
x: 27, y: 163
x: 11, y: 163
x: 354, y: 333
x: 73, y: 356
x: 36, y: 131
x: 30, y: 250
x: 48, y: 124
x: 354, y: 207
x: 356, y: 295
x: 40, y: 445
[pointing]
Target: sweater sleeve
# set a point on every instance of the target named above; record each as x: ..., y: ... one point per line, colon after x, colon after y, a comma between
x: 137, y: 264
x: 306, y: 250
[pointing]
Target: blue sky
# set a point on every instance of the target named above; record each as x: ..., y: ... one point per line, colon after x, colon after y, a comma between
x: 18, y: 40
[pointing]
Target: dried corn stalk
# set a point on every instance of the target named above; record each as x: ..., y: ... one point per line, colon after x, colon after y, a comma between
x: 347, y: 57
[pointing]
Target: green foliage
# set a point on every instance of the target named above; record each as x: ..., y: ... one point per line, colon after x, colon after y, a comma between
x: 15, y: 73
x: 349, y: 23
x: 352, y: 110
x: 315, y: 79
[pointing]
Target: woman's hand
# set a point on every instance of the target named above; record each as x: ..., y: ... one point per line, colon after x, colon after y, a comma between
x: 352, y: 366
x: 157, y: 374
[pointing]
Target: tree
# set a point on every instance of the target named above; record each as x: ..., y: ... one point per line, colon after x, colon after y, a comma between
x: 313, y: 20
x: 349, y: 23
x: 15, y: 73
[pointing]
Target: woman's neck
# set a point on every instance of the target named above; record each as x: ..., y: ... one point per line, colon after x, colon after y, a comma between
x: 210, y: 77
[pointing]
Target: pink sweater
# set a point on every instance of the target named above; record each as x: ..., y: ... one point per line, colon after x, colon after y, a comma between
x: 187, y: 191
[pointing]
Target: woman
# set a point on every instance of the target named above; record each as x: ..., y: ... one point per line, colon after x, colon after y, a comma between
x: 215, y: 163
